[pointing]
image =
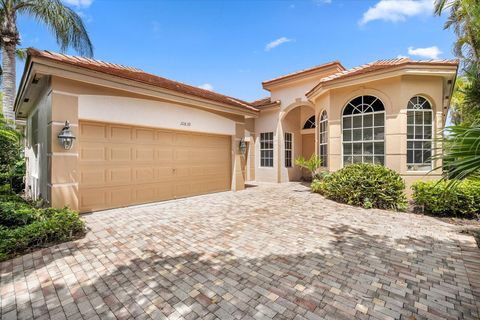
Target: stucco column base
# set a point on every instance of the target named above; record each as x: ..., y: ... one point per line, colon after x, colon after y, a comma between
x: 63, y: 163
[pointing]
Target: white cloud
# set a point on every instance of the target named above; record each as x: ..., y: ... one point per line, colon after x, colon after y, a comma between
x: 321, y: 2
x: 401, y: 56
x: 86, y: 17
x: 206, y: 86
x: 79, y: 3
x: 397, y: 10
x: 276, y: 43
x: 430, y: 52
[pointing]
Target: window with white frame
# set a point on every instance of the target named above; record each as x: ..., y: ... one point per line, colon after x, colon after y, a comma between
x: 266, y: 149
x: 363, y: 131
x: 419, y: 134
x: 310, y: 123
x: 323, y: 139
x: 288, y: 149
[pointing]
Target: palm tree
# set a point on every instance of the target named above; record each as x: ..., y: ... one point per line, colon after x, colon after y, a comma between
x: 66, y: 25
x: 462, y: 154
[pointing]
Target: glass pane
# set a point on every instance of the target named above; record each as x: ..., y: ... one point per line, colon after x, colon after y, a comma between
x: 347, y: 148
x: 427, y: 155
x: 410, y: 132
x: 379, y: 160
x: 379, y: 148
x: 357, y: 159
x: 357, y: 148
x: 418, y: 145
x: 427, y: 118
x: 368, y: 159
x: 409, y: 144
x: 409, y: 117
x: 367, y: 120
x: 357, y: 134
x: 368, y: 148
x: 357, y: 121
x: 347, y: 135
x: 347, y: 122
x: 427, y: 132
x: 418, y: 132
x: 378, y: 133
x: 409, y: 156
x: 367, y: 134
x: 379, y: 119
x: 418, y: 117
x: 347, y: 160
x: 417, y: 156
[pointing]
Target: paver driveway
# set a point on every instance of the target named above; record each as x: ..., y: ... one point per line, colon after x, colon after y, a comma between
x: 273, y: 251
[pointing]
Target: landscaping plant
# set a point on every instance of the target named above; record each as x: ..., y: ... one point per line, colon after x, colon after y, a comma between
x: 311, y: 164
x: 365, y: 185
x: 23, y: 227
x: 461, y: 199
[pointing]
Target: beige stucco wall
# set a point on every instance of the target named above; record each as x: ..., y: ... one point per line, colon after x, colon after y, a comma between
x: 37, y: 149
x: 395, y: 94
x: 73, y: 101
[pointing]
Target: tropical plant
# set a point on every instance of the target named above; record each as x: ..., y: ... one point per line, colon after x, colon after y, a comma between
x: 65, y: 23
x: 462, y: 156
x: 311, y: 164
x: 461, y: 199
x: 365, y: 185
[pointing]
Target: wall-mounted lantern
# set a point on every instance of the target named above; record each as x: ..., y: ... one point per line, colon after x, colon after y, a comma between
x: 66, y: 137
x: 242, y: 146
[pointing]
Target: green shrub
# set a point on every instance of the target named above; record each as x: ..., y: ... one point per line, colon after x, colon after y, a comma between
x: 23, y: 227
x: 461, y: 199
x: 365, y: 185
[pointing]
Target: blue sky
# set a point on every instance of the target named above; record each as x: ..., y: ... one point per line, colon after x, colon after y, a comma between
x: 232, y: 46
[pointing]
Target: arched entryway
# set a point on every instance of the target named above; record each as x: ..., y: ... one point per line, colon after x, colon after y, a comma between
x: 298, y: 139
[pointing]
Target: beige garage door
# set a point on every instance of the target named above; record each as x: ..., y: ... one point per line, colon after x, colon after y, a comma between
x: 125, y: 165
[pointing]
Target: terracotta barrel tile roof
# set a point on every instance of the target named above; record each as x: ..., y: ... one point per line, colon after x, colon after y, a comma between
x: 263, y: 102
x: 140, y: 76
x: 311, y: 69
x: 384, y: 64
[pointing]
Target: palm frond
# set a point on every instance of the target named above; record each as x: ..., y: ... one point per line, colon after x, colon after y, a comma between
x: 64, y: 22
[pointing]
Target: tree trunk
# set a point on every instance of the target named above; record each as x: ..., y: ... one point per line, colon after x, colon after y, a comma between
x: 8, y: 79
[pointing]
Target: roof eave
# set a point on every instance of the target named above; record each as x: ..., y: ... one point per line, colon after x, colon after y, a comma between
x: 388, y: 73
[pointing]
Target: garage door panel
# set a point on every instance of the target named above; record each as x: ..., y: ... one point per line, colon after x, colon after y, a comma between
x: 93, y: 176
x: 120, y: 153
x: 93, y: 152
x: 144, y: 153
x: 121, y: 133
x: 121, y: 196
x: 120, y: 176
x: 93, y: 131
x: 144, y: 135
x: 123, y: 165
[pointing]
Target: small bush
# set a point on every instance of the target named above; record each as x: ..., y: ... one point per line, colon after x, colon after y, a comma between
x: 461, y: 199
x: 365, y: 185
x: 23, y: 227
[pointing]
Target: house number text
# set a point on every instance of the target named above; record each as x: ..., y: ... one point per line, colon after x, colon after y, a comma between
x: 186, y: 124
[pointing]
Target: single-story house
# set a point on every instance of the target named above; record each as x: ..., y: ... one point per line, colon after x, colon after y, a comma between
x: 142, y: 138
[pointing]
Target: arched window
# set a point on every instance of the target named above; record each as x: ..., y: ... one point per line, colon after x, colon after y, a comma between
x: 310, y: 123
x: 323, y: 139
x: 419, y: 134
x: 364, y: 131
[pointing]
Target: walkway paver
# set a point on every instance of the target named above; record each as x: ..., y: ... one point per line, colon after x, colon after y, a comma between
x: 269, y: 252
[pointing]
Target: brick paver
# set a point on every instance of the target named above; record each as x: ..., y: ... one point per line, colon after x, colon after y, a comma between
x: 269, y: 252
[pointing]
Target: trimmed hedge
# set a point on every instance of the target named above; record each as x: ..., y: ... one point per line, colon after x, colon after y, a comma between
x: 460, y: 200
x: 23, y: 227
x: 365, y: 185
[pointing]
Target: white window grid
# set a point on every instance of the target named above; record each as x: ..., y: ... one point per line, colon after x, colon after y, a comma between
x: 363, y: 134
x: 288, y: 149
x: 323, y: 139
x: 419, y: 134
x: 266, y: 149
x: 310, y: 123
